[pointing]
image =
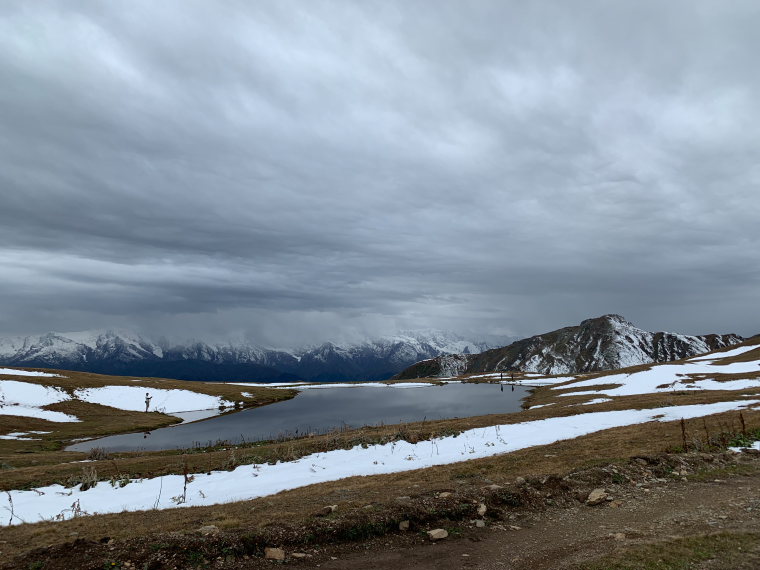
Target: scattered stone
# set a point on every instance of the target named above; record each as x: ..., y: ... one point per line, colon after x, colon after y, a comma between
x: 494, y: 487
x: 208, y: 529
x: 514, y: 527
x: 482, y: 509
x: 327, y: 510
x: 274, y: 553
x: 619, y: 536
x: 596, y: 497
x: 520, y: 480
x: 437, y: 534
x: 480, y: 523
x: 403, y: 525
x: 616, y: 504
x: 581, y: 496
x: 444, y: 495
x: 403, y: 499
x: 298, y: 555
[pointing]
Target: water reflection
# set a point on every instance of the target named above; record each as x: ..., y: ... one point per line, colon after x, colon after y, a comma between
x: 324, y: 409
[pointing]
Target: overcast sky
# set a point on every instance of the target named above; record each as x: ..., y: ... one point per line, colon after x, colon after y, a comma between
x: 303, y: 171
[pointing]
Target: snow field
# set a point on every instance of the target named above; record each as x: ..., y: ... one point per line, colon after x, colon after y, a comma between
x: 672, y: 377
x: 246, y: 482
x: 132, y: 398
x: 26, y: 399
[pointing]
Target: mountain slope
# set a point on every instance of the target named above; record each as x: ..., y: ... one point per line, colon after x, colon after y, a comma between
x: 604, y: 343
x: 123, y: 352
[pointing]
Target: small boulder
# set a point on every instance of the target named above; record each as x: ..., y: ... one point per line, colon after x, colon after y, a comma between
x: 482, y: 509
x: 274, y: 553
x: 326, y: 510
x: 208, y: 529
x: 596, y: 497
x: 480, y: 523
x: 437, y: 534
x: 444, y: 495
x: 403, y: 525
x: 298, y: 555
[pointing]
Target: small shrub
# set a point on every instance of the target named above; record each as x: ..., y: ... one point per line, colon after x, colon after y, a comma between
x: 89, y: 478
x: 98, y: 454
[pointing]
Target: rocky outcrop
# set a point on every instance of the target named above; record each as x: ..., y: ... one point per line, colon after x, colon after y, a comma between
x: 604, y: 343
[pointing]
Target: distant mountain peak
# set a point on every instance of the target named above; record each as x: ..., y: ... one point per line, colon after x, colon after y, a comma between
x: 601, y: 343
x: 610, y: 318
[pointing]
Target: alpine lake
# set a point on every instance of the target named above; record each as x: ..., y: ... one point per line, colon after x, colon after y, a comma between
x: 319, y: 410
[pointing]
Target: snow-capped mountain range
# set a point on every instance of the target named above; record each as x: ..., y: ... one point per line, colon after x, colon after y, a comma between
x: 124, y: 352
x: 604, y: 343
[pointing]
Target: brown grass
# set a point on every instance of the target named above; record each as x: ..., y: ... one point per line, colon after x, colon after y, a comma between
x: 353, y: 495
x: 722, y: 551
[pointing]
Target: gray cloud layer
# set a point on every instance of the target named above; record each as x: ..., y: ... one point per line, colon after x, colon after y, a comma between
x: 310, y: 170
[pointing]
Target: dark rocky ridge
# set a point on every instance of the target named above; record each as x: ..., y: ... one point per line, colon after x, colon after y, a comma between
x: 604, y: 343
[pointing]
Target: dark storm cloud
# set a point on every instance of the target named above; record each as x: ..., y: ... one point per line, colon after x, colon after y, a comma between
x: 311, y: 170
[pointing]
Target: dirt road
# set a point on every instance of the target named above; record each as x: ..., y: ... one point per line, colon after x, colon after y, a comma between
x: 573, y: 537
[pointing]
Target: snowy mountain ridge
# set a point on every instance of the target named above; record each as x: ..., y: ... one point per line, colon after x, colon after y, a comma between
x: 125, y: 352
x: 605, y: 343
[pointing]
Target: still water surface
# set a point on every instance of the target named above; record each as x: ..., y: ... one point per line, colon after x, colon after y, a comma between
x: 320, y: 410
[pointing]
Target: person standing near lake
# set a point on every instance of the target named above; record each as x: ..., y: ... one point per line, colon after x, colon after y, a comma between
x: 147, y: 401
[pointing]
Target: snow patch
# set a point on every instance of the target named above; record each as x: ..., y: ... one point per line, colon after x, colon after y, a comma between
x: 595, y: 401
x: 15, y: 372
x: 23, y: 435
x: 26, y: 399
